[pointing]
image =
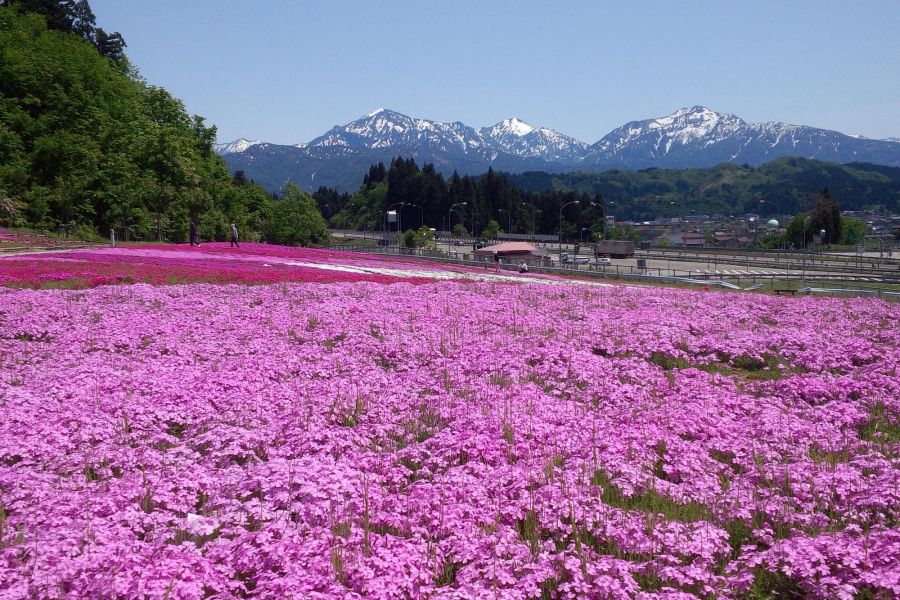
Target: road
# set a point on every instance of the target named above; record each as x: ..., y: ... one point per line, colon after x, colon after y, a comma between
x: 867, y: 267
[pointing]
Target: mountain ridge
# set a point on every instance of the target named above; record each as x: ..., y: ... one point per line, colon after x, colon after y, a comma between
x: 692, y: 137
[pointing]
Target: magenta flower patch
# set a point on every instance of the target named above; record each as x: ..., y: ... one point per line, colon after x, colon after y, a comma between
x: 440, y: 440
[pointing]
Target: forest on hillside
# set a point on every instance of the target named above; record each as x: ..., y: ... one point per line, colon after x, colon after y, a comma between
x: 786, y: 186
x: 86, y: 144
x: 577, y: 204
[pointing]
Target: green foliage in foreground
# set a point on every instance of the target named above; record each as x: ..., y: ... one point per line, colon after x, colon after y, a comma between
x: 84, y: 141
x: 294, y: 220
x: 419, y: 238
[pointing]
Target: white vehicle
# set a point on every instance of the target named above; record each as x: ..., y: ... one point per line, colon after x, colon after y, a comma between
x: 579, y: 260
x: 602, y: 260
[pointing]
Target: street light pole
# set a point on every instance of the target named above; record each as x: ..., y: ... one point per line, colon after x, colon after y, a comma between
x: 604, y: 219
x: 805, y: 221
x: 560, y: 225
x: 603, y: 206
x: 805, y: 250
x: 398, y: 216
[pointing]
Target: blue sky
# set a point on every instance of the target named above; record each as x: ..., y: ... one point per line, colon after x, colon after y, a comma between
x: 285, y: 71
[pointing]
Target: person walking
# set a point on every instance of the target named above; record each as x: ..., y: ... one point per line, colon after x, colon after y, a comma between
x: 234, y: 236
x: 192, y: 233
x: 496, y: 262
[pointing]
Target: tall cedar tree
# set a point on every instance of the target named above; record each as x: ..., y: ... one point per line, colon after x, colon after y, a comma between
x: 826, y: 215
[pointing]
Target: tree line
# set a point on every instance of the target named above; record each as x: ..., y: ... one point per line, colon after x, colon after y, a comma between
x: 87, y: 144
x: 481, y: 205
x: 488, y: 204
x: 786, y: 186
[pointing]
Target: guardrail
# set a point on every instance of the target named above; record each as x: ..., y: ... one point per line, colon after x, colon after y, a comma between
x: 774, y: 255
x: 623, y: 272
x: 787, y: 262
x: 849, y: 292
x: 445, y: 235
x: 363, y: 234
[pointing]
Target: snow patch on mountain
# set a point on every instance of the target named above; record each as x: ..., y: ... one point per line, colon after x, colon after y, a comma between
x: 513, y: 126
x: 238, y: 145
x: 384, y: 129
x: 521, y: 139
x: 681, y: 128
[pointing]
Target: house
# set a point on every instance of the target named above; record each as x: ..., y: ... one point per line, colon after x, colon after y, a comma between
x: 692, y: 239
x: 513, y: 252
x: 674, y: 239
x: 509, y: 249
x: 730, y: 239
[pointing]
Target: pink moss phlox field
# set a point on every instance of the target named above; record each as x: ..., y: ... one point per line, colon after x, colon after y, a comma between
x: 449, y: 440
x: 209, y: 263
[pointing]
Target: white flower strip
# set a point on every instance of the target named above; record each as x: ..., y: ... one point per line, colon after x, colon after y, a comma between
x: 432, y: 274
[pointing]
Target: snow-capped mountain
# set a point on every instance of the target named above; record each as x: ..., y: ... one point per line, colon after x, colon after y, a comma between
x: 689, y: 137
x: 656, y: 137
x: 518, y: 137
x: 238, y: 145
x: 383, y: 129
x: 700, y: 137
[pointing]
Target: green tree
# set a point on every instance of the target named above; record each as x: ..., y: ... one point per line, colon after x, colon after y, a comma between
x: 295, y: 220
x: 772, y: 240
x: 58, y: 14
x: 83, y: 20
x: 419, y: 238
x: 85, y: 141
x: 853, y: 231
x: 492, y: 230
x: 73, y: 16
x: 111, y: 45
x: 797, y: 230
x: 409, y: 238
x: 826, y: 215
x: 626, y: 232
